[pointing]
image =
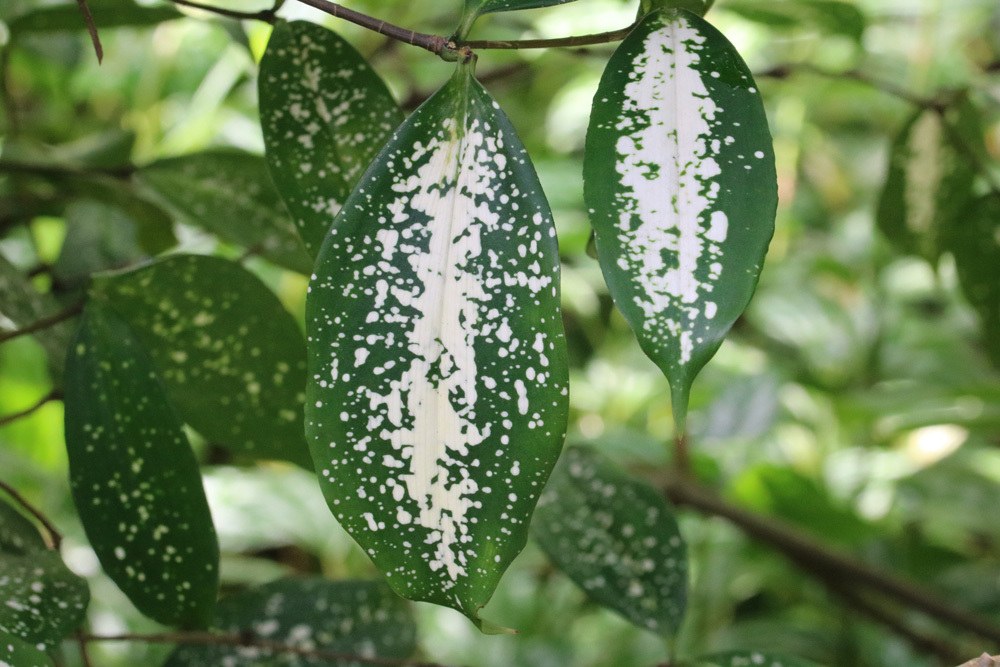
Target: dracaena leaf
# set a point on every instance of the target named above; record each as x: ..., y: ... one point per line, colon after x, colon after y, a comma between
x: 616, y: 538
x: 437, y: 396
x: 679, y: 177
x: 975, y: 244
x: 749, y: 659
x: 489, y: 6
x: 18, y: 536
x: 325, y: 114
x: 134, y: 479
x: 42, y: 600
x: 18, y: 653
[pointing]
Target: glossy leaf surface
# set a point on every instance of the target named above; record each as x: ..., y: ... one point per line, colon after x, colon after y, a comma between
x: 42, y: 601
x: 679, y: 176
x: 616, y: 538
x: 15, y: 652
x: 230, y: 194
x: 437, y: 399
x: 231, y: 356
x: 351, y: 617
x: 975, y: 243
x: 322, y: 124
x: 134, y: 479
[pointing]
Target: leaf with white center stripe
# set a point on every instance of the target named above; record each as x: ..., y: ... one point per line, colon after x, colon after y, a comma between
x: 134, y: 478
x: 361, y: 618
x: 679, y: 177
x: 616, y: 538
x: 15, y: 652
x: 749, y: 659
x: 325, y: 114
x: 437, y: 396
x: 42, y: 601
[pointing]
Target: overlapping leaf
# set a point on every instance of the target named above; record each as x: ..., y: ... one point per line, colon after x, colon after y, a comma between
x: 616, y: 538
x: 15, y: 652
x: 18, y: 535
x: 679, y: 176
x: 975, y: 243
x: 360, y: 618
x: 135, y: 481
x: 230, y: 194
x: 325, y: 114
x: 232, y: 358
x: 42, y: 601
x: 437, y: 399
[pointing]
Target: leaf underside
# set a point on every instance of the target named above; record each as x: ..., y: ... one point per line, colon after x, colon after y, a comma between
x: 437, y: 396
x: 679, y: 177
x: 134, y: 479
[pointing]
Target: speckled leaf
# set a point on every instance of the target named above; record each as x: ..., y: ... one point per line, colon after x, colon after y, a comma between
x: 437, y: 400
x: 975, y: 243
x: 42, y: 601
x: 616, y: 538
x: 231, y: 356
x: 230, y: 194
x: 362, y: 618
x: 749, y: 659
x: 679, y: 177
x: 134, y: 479
x: 325, y: 114
x: 18, y: 535
x: 927, y: 188
x: 15, y: 652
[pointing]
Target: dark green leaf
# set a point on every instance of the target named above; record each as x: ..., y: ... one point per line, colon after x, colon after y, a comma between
x: 975, y: 243
x: 488, y: 6
x: 679, y: 176
x: 835, y: 17
x: 15, y: 652
x: 18, y: 535
x: 322, y: 124
x: 437, y: 400
x: 107, y: 14
x: 230, y: 194
x: 616, y: 538
x: 350, y: 617
x: 98, y: 238
x: 135, y: 481
x: 42, y: 600
x: 231, y: 356
x: 749, y: 659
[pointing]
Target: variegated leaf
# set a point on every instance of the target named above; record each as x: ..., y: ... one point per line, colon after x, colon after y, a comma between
x: 15, y: 652
x: 325, y: 114
x: 437, y: 399
x: 680, y: 180
x: 41, y: 601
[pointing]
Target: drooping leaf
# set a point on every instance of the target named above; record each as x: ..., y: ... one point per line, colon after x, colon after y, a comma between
x: 18, y: 535
x: 134, y: 478
x: 975, y: 244
x: 231, y: 356
x: 437, y: 399
x: 928, y: 187
x: 42, y: 601
x: 616, y: 538
x: 15, y: 652
x: 361, y: 618
x: 230, y: 194
x: 107, y: 14
x: 322, y: 124
x: 749, y: 659
x: 679, y: 176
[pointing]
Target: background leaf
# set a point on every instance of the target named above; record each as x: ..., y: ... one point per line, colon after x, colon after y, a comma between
x: 232, y: 358
x: 107, y: 14
x: 616, y: 538
x: 438, y: 386
x: 134, y: 478
x: 18, y: 535
x: 42, y: 600
x: 17, y: 653
x: 750, y: 659
x: 679, y: 176
x: 352, y: 617
x: 322, y: 125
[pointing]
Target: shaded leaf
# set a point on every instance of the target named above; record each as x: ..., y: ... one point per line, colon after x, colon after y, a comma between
x: 488, y: 6
x: 16, y: 653
x: 679, y: 176
x: 322, y: 125
x: 616, y: 538
x: 135, y: 481
x: 230, y: 194
x: 975, y: 243
x: 362, y: 618
x: 437, y: 401
x: 107, y: 14
x: 835, y: 17
x: 232, y: 358
x: 42, y: 600
x: 18, y: 535
x: 749, y: 659
x: 98, y: 237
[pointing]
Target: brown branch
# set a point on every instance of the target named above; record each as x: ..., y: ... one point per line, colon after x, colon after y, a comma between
x: 88, y: 19
x: 53, y: 395
x: 249, y: 641
x: 53, y: 536
x: 822, y: 561
x: 557, y: 42
x: 434, y: 43
x: 265, y: 15
x: 43, y: 323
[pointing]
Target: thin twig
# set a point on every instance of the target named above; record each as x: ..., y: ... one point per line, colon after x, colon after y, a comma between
x: 88, y: 19
x: 434, y: 43
x: 43, y: 323
x: 265, y: 15
x: 249, y: 641
x: 556, y: 42
x: 53, y: 395
x: 82, y: 645
x: 53, y: 538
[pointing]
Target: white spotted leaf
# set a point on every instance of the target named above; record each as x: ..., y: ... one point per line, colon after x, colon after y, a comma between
x: 18, y: 653
x: 230, y: 194
x: 325, y: 113
x: 232, y: 358
x: 42, y: 601
x: 437, y: 396
x: 680, y: 180
x: 616, y: 538
x: 749, y: 659
x: 18, y: 535
x: 348, y: 617
x: 134, y: 479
